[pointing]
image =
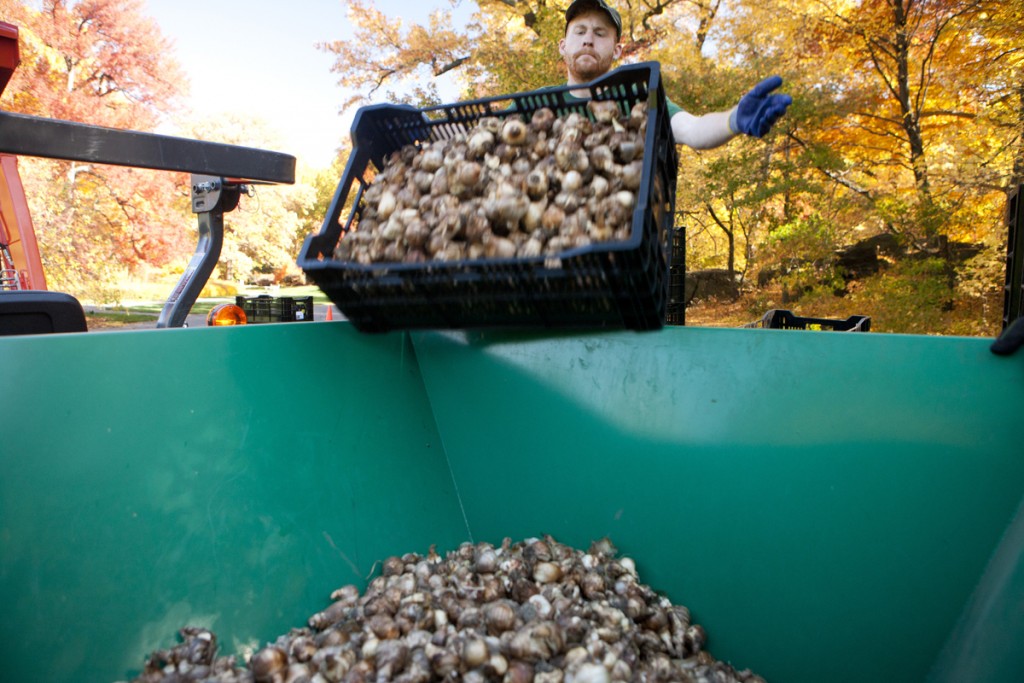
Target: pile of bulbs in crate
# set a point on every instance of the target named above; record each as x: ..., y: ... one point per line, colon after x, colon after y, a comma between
x: 536, y: 611
x: 507, y: 188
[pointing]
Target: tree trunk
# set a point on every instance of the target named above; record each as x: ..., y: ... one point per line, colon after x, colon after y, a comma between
x: 910, y: 118
x: 732, y: 253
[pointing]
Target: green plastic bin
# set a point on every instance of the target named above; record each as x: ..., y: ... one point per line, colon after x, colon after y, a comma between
x: 830, y: 507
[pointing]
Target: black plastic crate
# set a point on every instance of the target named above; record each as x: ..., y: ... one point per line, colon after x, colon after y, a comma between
x: 280, y: 309
x: 676, y: 313
x: 778, y: 319
x: 608, y: 284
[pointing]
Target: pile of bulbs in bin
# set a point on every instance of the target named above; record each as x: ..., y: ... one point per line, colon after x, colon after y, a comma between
x: 535, y: 611
x: 507, y: 188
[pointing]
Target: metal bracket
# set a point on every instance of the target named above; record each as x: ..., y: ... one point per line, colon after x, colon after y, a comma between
x: 212, y: 197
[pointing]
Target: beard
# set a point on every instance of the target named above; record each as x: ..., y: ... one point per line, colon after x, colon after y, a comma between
x: 587, y: 65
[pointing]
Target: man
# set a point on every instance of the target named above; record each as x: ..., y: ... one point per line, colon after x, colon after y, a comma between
x: 591, y: 45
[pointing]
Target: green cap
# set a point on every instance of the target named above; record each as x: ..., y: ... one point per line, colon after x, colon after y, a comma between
x: 578, y: 6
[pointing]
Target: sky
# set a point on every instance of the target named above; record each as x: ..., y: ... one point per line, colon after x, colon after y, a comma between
x: 259, y: 58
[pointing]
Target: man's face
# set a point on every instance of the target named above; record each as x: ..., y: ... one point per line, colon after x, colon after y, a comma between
x: 590, y: 46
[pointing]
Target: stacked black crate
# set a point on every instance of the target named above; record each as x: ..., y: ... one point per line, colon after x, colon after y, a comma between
x: 676, y: 312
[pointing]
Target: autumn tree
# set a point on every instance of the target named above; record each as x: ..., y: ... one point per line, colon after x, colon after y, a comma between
x: 384, y: 54
x: 983, y: 126
x: 101, y: 62
x: 909, y: 105
x: 710, y: 58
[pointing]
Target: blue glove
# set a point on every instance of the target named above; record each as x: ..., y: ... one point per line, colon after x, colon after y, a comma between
x: 758, y: 110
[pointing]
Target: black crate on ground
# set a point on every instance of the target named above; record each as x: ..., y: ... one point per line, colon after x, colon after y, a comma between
x: 276, y: 309
x: 608, y: 284
x: 778, y: 319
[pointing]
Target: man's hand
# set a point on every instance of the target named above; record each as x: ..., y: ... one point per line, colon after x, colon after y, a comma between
x: 758, y: 110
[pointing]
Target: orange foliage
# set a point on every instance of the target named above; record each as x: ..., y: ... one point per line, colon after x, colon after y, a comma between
x: 100, y: 62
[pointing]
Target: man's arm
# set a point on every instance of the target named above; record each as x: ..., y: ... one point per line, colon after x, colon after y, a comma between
x: 702, y: 132
x: 755, y: 115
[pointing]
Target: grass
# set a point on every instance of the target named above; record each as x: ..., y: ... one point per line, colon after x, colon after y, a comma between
x: 117, y: 318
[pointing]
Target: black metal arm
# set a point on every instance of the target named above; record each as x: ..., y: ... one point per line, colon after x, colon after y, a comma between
x: 212, y: 197
x: 55, y: 139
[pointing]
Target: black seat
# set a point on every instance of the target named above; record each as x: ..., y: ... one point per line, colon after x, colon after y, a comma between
x: 39, y: 312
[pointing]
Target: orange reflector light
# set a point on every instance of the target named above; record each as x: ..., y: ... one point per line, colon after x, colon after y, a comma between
x: 226, y: 314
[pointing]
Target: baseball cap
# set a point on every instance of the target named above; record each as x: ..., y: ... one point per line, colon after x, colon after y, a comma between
x: 578, y: 6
